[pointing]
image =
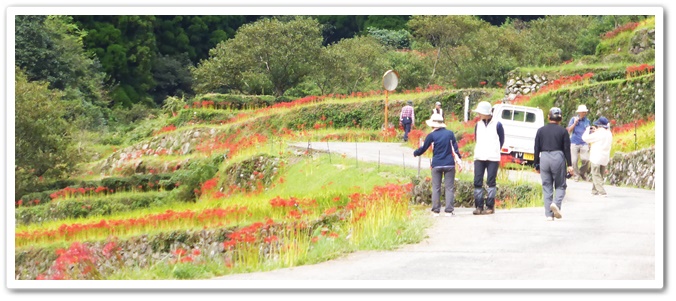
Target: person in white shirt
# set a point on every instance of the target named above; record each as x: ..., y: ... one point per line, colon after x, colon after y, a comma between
x: 437, y: 109
x: 600, y: 139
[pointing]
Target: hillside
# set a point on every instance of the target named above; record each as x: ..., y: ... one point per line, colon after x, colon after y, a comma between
x: 210, y: 186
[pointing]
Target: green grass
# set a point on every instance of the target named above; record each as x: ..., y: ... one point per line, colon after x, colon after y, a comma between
x: 574, y: 68
x: 626, y: 142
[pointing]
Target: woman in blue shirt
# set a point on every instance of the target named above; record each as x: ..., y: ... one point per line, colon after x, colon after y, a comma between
x: 443, y: 162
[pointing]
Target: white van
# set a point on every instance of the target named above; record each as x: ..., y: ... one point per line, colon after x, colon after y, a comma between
x: 521, y: 123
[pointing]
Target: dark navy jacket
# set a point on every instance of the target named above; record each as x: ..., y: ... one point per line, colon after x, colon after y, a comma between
x: 442, y: 139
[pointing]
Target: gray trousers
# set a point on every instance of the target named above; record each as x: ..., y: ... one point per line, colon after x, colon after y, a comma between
x: 582, y: 152
x: 553, y: 175
x: 598, y: 172
x: 448, y: 174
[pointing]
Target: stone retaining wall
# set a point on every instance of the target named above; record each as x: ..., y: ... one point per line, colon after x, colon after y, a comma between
x: 635, y: 169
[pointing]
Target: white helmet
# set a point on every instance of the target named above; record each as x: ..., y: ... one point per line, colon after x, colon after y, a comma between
x: 484, y: 108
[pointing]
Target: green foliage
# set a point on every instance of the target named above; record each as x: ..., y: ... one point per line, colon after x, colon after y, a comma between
x: 125, y: 46
x: 393, y: 23
x: 172, y: 76
x: 518, y: 195
x: 44, y: 142
x: 413, y: 68
x: 555, y: 38
x: 83, y: 207
x: 281, y: 53
x: 336, y: 28
x: 173, y: 104
x: 620, y: 100
x: 351, y: 65
x: 193, y: 174
x: 397, y: 39
x: 636, y: 137
x: 185, y: 117
x: 145, y: 182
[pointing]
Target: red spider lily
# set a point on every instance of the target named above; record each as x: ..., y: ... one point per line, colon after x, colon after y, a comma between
x: 614, y: 32
x: 65, y: 231
x: 166, y: 129
x: 186, y: 259
x: 270, y: 239
x: 180, y: 252
x: 630, y: 125
x: 640, y: 69
x: 554, y: 85
x: 483, y: 83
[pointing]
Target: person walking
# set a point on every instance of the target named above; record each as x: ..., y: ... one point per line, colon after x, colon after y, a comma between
x: 600, y: 139
x: 437, y: 109
x: 489, y: 136
x: 579, y: 149
x: 552, y: 155
x: 407, y: 118
x: 443, y: 162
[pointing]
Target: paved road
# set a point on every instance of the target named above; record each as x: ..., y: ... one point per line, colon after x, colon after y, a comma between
x: 597, y: 239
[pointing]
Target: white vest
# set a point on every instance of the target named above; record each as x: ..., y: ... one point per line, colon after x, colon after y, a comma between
x: 487, y: 147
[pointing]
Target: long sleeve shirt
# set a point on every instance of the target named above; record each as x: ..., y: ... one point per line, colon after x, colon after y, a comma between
x: 600, y: 142
x: 552, y: 137
x: 442, y: 155
x: 407, y: 111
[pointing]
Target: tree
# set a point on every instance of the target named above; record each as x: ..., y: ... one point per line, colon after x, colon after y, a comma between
x: 351, y: 65
x: 444, y: 32
x: 126, y: 47
x: 43, y: 141
x: 279, y: 53
x: 171, y: 74
x: 554, y: 39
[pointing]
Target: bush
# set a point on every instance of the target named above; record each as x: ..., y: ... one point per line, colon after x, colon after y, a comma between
x: 85, y: 207
x: 137, y: 182
x: 200, y: 116
x: 193, y: 175
x: 519, y: 195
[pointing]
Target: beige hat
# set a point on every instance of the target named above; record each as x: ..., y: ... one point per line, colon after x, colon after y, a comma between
x: 436, y: 121
x: 581, y: 108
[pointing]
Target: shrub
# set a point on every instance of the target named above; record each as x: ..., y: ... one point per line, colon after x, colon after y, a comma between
x: 85, y: 207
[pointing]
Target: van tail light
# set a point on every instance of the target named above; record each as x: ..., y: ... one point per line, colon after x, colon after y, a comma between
x: 505, y: 150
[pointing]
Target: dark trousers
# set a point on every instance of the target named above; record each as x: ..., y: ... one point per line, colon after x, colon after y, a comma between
x: 491, y: 168
x: 406, y: 122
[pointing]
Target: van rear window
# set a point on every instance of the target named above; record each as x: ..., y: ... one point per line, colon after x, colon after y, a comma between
x: 530, y: 117
x: 518, y: 115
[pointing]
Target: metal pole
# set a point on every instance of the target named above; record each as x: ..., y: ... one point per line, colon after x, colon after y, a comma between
x: 329, y: 150
x: 635, y: 138
x: 356, y: 154
x: 419, y: 157
x: 386, y: 93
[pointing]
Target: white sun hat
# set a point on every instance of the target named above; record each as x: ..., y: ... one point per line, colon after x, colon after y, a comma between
x: 436, y: 121
x: 581, y: 108
x: 483, y: 108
